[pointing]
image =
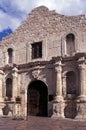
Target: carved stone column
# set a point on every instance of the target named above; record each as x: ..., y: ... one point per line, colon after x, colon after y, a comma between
x: 58, y: 93
x: 1, y: 83
x: 81, y: 100
x: 64, y: 85
x: 15, y: 82
x: 82, y: 79
x: 58, y: 103
x: 1, y: 92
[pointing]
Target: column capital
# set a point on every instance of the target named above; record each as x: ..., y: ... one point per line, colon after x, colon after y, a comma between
x: 58, y: 67
x: 81, y: 63
x: 15, y: 72
x: 81, y: 60
x: 58, y: 63
x: 15, y: 69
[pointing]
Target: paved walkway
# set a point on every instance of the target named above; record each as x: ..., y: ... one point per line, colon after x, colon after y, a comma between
x: 40, y: 123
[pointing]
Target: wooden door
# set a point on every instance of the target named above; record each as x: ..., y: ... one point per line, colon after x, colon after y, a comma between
x: 33, y: 102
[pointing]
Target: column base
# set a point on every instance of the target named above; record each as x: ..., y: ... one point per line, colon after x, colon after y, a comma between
x: 81, y: 98
x: 58, y: 109
x: 58, y: 99
x: 81, y: 110
x: 79, y: 117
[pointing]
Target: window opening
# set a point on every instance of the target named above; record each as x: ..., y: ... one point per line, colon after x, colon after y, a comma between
x: 37, y: 50
x: 10, y: 55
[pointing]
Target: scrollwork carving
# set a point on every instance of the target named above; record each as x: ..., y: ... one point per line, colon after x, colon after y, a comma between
x: 35, y: 74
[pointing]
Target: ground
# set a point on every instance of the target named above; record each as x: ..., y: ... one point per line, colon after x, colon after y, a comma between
x: 41, y: 123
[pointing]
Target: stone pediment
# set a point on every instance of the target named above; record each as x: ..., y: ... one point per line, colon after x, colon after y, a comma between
x: 43, y: 20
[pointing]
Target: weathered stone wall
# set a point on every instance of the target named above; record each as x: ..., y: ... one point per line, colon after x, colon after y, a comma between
x: 51, y: 28
x: 47, y: 26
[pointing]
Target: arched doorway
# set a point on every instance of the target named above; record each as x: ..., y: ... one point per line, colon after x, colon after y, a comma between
x: 37, y: 98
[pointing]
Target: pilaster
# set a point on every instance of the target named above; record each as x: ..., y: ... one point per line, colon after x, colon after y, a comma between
x: 82, y: 79
x: 1, y: 91
x: 58, y: 93
x: 64, y: 85
x: 81, y: 100
x: 1, y: 85
x: 15, y: 82
x: 58, y: 103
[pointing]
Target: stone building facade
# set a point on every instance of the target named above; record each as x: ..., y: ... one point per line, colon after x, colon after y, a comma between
x: 43, y: 67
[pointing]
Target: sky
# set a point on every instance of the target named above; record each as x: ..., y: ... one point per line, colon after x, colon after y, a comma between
x: 13, y: 12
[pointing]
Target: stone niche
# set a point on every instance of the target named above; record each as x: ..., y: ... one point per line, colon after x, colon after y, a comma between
x: 70, y: 109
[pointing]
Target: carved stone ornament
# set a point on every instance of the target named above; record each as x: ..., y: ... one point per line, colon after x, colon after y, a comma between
x: 35, y: 74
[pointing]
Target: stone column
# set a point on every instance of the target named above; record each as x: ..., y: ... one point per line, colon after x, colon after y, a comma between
x: 81, y: 100
x: 17, y: 106
x: 64, y: 85
x: 58, y: 92
x: 24, y: 104
x: 58, y: 103
x: 1, y: 83
x: 82, y: 79
x: 15, y: 82
x: 1, y: 92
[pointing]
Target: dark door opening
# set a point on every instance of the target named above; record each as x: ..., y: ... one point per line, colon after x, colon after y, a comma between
x: 37, y: 99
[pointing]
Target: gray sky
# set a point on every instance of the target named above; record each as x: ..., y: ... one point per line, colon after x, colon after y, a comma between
x: 13, y: 12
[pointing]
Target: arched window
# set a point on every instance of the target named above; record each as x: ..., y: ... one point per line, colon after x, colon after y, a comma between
x: 9, y: 88
x: 70, y: 44
x: 71, y: 82
x: 10, y: 55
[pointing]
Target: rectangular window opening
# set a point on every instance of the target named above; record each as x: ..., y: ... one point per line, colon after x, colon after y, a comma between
x: 37, y: 50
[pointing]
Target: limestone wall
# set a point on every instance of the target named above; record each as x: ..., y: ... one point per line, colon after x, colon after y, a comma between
x: 47, y: 26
